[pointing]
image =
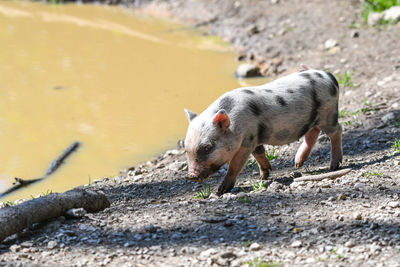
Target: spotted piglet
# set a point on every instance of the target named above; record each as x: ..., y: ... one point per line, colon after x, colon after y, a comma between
x: 239, y: 122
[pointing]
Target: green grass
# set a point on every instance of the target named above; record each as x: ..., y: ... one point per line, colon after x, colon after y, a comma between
x: 396, y: 145
x: 339, y: 256
x: 204, y: 193
x: 257, y: 186
x: 244, y: 199
x: 377, y: 6
x: 256, y: 262
x: 345, y: 113
x: 251, y: 163
x: 371, y: 173
x: 272, y: 154
x: 89, y: 184
x: 345, y: 79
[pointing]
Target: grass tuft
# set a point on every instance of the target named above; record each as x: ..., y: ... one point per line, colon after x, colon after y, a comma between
x: 204, y: 193
x: 256, y: 262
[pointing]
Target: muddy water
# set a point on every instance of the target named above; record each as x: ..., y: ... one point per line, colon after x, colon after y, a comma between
x: 111, y: 79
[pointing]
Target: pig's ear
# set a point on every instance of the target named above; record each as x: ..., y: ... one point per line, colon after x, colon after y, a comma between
x: 190, y: 115
x: 221, y: 120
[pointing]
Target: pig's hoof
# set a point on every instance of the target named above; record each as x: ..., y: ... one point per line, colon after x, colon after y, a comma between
x: 224, y: 189
x: 334, y: 166
x: 298, y: 164
x: 264, y: 176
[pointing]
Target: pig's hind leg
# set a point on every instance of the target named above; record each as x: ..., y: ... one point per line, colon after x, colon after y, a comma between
x: 335, y: 135
x: 262, y: 161
x: 310, y: 138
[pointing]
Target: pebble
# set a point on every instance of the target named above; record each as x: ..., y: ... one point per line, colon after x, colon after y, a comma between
x: 392, y: 14
x: 76, y: 213
x: 255, y: 246
x: 357, y: 216
x: 52, y: 244
x: 330, y: 43
x: 296, y: 244
x: 388, y: 117
x: 351, y: 243
x: 247, y: 70
x: 393, y: 204
x: 374, y: 18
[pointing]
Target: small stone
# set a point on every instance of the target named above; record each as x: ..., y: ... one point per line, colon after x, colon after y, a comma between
x: 214, y: 219
x: 138, y: 237
x: 177, y: 166
x: 26, y: 244
x: 15, y: 248
x: 129, y: 244
x: 392, y: 14
x: 374, y: 18
x: 247, y: 70
x: 228, y: 255
x: 330, y: 43
x: 359, y: 186
x: 296, y: 244
x: 351, y: 243
x: 393, y: 204
x: 52, y: 244
x: 296, y: 174
x: 150, y: 228
x: 177, y: 235
x: 255, y: 246
x: 388, y: 117
x: 76, y: 213
x: 204, y: 255
x: 342, y: 197
x: 357, y: 216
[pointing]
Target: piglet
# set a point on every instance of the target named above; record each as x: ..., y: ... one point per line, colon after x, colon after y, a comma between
x: 241, y: 121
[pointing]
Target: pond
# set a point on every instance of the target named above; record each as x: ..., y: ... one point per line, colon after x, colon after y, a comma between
x: 114, y: 80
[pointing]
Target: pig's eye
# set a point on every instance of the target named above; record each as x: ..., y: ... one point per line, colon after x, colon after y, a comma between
x: 205, y: 149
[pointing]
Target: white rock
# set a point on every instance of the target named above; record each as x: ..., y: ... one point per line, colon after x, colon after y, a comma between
x: 394, y: 204
x: 388, y: 117
x: 296, y: 244
x: 373, y: 18
x: 207, y: 253
x: 247, y: 70
x: 255, y: 246
x: 52, y: 244
x: 330, y: 43
x: 177, y: 166
x: 392, y: 13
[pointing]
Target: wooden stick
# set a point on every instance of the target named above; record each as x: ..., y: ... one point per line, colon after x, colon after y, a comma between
x: 54, y: 165
x: 319, y: 177
x: 14, y: 219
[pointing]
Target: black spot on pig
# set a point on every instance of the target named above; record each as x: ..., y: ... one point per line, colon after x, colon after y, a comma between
x: 254, y: 108
x: 335, y: 85
x: 259, y: 150
x: 226, y: 103
x: 281, y: 101
x: 306, y: 75
x: 263, y: 133
x: 282, y: 135
x: 319, y: 75
x: 313, y: 117
x: 248, y: 91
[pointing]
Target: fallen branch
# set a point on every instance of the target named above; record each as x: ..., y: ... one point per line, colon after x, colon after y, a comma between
x: 54, y: 165
x: 319, y: 177
x: 14, y: 219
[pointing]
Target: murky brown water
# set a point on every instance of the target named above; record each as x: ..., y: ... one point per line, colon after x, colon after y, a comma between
x: 111, y: 79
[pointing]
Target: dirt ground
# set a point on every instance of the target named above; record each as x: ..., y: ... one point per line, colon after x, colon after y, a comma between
x: 354, y: 220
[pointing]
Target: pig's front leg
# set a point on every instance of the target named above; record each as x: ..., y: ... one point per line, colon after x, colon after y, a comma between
x: 262, y: 161
x: 235, y: 166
